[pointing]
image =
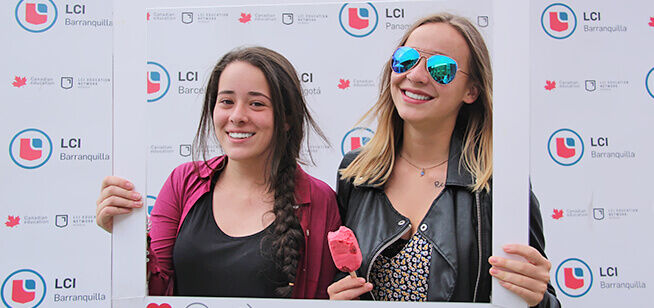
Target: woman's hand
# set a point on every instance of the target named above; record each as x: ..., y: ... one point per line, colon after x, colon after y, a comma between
x: 116, y: 197
x: 526, y: 279
x: 348, y: 288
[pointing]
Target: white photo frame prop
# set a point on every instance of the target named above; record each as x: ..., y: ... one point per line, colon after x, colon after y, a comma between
x: 134, y: 126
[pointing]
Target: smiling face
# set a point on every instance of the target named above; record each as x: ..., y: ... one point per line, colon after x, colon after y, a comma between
x: 418, y: 98
x: 243, y: 116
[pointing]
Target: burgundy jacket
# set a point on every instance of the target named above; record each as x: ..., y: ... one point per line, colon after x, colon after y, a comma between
x: 318, y: 211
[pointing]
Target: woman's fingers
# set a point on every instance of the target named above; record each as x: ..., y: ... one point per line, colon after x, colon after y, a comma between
x: 348, y: 288
x: 537, y: 266
x: 116, y: 201
x: 114, y: 193
x: 116, y: 181
x: 529, y: 278
x: 529, y: 253
x: 116, y: 197
x: 105, y: 217
x: 115, y: 186
x: 532, y: 298
x: 519, y: 279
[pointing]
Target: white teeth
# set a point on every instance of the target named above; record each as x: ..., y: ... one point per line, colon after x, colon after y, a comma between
x: 416, y: 96
x: 240, y: 135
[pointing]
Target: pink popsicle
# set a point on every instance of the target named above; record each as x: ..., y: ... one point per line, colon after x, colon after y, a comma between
x: 345, y: 250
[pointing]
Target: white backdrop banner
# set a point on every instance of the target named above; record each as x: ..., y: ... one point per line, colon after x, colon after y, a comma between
x: 591, y: 98
x: 591, y: 111
x: 56, y: 95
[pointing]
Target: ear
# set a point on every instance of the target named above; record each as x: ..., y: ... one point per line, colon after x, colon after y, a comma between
x: 471, y: 93
x: 286, y: 127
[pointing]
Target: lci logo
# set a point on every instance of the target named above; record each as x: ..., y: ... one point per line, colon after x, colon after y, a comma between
x: 158, y: 81
x: 23, y: 288
x: 36, y: 15
x: 356, y: 138
x: 358, y: 19
x: 573, y: 277
x: 565, y: 147
x: 649, y: 82
x: 558, y: 20
x: 150, y: 203
x: 30, y: 148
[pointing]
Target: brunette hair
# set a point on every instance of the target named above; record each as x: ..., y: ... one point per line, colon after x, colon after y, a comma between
x: 375, y: 162
x: 291, y: 118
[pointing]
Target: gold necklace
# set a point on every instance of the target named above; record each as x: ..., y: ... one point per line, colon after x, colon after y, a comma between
x: 422, y: 169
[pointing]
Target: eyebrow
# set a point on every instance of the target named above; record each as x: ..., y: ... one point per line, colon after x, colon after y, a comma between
x: 430, y: 52
x: 251, y: 93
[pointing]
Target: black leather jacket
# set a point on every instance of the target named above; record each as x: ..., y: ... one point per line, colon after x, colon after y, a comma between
x: 458, y: 225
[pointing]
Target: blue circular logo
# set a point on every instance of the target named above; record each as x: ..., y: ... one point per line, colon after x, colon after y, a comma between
x: 356, y: 138
x: 30, y: 148
x: 150, y: 199
x: 565, y: 147
x: 649, y: 82
x: 574, y: 277
x: 358, y: 19
x: 36, y: 16
x: 158, y: 81
x: 27, y: 289
x: 558, y: 21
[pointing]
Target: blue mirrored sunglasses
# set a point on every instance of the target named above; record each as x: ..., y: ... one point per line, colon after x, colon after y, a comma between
x: 441, y: 68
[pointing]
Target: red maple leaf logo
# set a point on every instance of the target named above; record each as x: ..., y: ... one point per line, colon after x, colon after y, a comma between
x: 12, y: 221
x: 557, y: 214
x: 343, y: 83
x: 245, y: 17
x: 19, y: 81
x: 549, y: 85
x: 651, y: 22
x: 153, y: 305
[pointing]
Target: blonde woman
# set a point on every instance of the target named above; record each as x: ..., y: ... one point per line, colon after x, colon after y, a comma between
x: 418, y: 194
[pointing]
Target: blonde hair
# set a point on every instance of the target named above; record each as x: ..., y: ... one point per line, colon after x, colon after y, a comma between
x: 374, y: 164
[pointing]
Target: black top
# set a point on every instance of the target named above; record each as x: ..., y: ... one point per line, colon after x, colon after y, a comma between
x: 209, y: 262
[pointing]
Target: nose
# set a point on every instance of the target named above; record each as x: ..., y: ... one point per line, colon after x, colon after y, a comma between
x: 419, y: 73
x: 239, y: 114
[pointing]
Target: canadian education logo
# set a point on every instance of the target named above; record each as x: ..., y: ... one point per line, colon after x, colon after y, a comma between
x: 356, y: 138
x: 565, y: 147
x: 649, y: 83
x: 343, y: 84
x: 30, y: 148
x: 23, y: 288
x: 557, y: 214
x: 558, y: 21
x: 158, y: 81
x: 36, y: 15
x: 358, y: 19
x: 574, y: 277
x: 550, y: 85
x: 12, y: 221
x: 245, y: 18
x: 19, y: 81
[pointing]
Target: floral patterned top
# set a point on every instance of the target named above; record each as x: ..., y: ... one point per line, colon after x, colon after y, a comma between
x: 400, y: 272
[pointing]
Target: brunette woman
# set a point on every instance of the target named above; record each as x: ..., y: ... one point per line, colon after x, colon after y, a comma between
x: 250, y: 223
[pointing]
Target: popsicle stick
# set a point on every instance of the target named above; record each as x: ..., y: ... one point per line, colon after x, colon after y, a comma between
x: 353, y: 274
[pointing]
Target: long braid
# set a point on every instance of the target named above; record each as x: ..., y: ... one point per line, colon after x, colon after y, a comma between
x: 287, y: 236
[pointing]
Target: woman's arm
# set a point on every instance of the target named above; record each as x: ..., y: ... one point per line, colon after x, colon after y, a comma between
x: 164, y: 218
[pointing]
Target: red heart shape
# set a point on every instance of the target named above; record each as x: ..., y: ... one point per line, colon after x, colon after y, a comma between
x: 153, y: 305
